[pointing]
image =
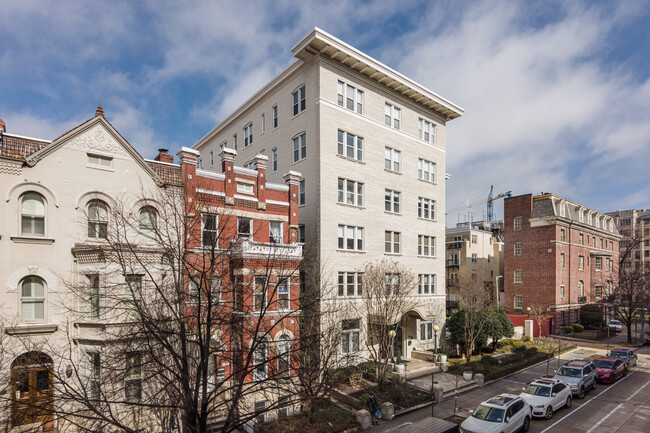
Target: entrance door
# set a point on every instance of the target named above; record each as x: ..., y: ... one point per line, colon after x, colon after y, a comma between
x: 397, y: 343
x: 32, y: 390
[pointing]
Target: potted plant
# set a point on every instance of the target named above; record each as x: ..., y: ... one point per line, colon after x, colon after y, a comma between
x: 467, y: 375
x: 443, y: 354
x: 399, y: 366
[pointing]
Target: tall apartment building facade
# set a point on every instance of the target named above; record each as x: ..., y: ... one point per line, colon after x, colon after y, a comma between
x: 558, y: 256
x: 634, y: 226
x: 474, y: 250
x: 370, y: 144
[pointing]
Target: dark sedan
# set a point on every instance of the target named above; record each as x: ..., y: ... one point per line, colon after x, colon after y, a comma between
x: 610, y: 369
x: 628, y: 356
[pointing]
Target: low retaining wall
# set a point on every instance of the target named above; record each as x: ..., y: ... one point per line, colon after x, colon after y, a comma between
x: 423, y: 355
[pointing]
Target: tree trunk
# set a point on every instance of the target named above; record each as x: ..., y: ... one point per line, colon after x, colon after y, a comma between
x: 629, y: 332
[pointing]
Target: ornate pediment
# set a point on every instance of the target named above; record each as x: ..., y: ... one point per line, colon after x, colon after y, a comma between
x: 97, y: 139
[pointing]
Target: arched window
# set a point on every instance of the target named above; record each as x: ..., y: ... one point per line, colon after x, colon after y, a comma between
x: 32, y: 214
x: 97, y: 219
x: 260, y: 369
x: 32, y: 290
x: 284, y: 354
x: 581, y: 288
x: 148, y: 224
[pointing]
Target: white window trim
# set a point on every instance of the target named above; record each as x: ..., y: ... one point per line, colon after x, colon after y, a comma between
x: 357, y: 235
x: 302, y: 101
x: 343, y: 193
x: 395, y: 246
x: 301, y: 139
x: 392, y: 199
x: 357, y: 284
x: 393, y: 157
x: 342, y: 146
x: 422, y: 204
x: 429, y: 168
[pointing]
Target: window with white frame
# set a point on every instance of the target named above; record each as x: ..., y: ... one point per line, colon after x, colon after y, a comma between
x: 519, y: 248
x: 284, y: 354
x: 589, y: 218
x: 234, y: 141
x: 284, y: 300
x: 562, y: 291
x: 562, y: 209
x: 260, y: 293
x: 562, y: 258
x: 248, y: 134
x: 260, y: 361
x: 598, y: 291
x: 263, y: 119
x: 350, y: 238
x: 100, y: 161
x: 93, y: 288
x: 350, y: 97
x: 581, y: 215
x: 350, y: 332
x: 222, y: 146
x: 426, y: 246
x: 426, y: 330
x: 392, y: 283
x: 581, y: 288
x: 474, y: 239
x: 599, y: 264
x: 244, y: 226
x: 427, y: 131
x: 474, y: 258
x: 609, y: 286
x: 209, y: 230
x: 133, y: 377
x: 392, y: 201
x: 97, y: 219
x: 147, y: 227
x: 302, y: 192
x: 426, y: 208
x: 298, y: 100
x: 517, y: 223
x: 275, y: 232
x: 426, y: 170
x: 519, y: 276
x: 133, y: 294
x: 95, y: 375
x: 581, y: 239
x: 32, y: 214
x: 562, y: 234
x: 350, y: 283
x: 274, y: 112
x: 350, y: 192
x: 518, y: 302
x: 426, y: 284
x: 350, y: 145
x: 299, y: 147
x: 212, y: 154
x: 199, y: 163
x: 392, y: 242
x: 220, y: 373
x: 32, y: 291
x: 393, y: 116
x: 392, y: 159
x: 274, y: 159
x: 581, y: 263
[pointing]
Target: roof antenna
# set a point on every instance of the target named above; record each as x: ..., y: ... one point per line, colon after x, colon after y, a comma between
x: 100, y: 110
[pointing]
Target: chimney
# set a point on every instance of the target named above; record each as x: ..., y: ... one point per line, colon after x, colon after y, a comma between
x: 228, y: 168
x: 292, y: 179
x: 260, y: 165
x: 3, y: 127
x: 163, y: 156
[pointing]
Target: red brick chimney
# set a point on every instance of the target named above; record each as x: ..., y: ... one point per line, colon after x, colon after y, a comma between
x: 3, y: 127
x: 260, y: 165
x: 163, y: 156
x: 292, y: 179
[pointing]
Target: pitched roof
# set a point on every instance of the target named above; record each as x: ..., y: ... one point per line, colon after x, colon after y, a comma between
x: 169, y: 173
x: 18, y: 147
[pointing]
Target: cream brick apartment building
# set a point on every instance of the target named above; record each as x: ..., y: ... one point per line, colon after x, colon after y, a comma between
x: 370, y: 144
x: 634, y: 226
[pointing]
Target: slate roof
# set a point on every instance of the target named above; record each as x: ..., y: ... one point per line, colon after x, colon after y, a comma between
x: 20, y: 147
x: 169, y: 173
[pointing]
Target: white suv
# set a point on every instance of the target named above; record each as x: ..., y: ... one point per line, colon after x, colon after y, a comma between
x: 546, y: 396
x: 504, y: 413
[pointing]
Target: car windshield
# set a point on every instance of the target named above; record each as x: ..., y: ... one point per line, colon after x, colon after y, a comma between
x: 569, y: 372
x: 601, y: 363
x: 615, y: 322
x: 542, y: 391
x: 487, y: 413
x: 618, y: 353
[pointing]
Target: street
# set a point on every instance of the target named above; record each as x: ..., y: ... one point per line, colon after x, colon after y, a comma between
x: 623, y: 406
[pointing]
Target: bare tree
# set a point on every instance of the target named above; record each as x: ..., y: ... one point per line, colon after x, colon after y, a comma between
x: 539, y: 314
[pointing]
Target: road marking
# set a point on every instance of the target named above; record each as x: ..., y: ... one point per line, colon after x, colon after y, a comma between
x: 637, y: 391
x: 585, y: 404
x: 604, y: 419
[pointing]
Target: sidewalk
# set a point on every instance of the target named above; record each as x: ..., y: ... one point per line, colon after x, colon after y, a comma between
x: 446, y: 380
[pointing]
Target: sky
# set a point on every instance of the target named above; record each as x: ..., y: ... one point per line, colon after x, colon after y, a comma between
x: 556, y: 93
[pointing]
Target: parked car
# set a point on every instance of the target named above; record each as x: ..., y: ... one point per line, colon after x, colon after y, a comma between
x: 503, y: 413
x: 615, y: 325
x: 545, y: 396
x: 609, y: 369
x: 628, y: 356
x: 580, y: 375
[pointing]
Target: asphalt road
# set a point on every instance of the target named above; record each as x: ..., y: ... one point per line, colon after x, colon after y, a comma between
x: 623, y: 406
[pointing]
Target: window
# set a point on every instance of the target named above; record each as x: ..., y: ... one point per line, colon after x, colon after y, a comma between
x: 301, y: 233
x: 248, y: 134
x: 100, y: 161
x: 589, y: 218
x: 284, y: 354
x: 518, y: 302
x: 457, y: 244
x: 350, y: 192
x: 95, y: 375
x: 581, y: 288
x: 263, y: 122
x: 97, y: 219
x: 350, y: 283
x: 426, y: 208
x: 301, y: 192
x: 350, y: 97
x: 426, y: 284
x: 222, y: 146
x: 391, y: 241
x: 581, y: 215
x: 32, y: 215
x: 517, y: 223
x: 209, y: 230
x: 212, y: 153
x: 609, y: 285
x: 133, y: 294
x: 392, y: 159
x: 474, y: 258
x: 427, y: 131
x: 598, y: 291
x: 392, y: 201
x: 350, y: 145
x: 199, y: 163
x: 133, y: 377
x: 426, y: 170
x: 260, y: 361
x: 393, y: 116
x: 581, y: 263
x: 391, y: 283
x: 562, y: 209
x: 234, y: 141
x: 32, y: 290
x: 147, y: 224
x: 599, y: 264
x: 519, y: 248
x: 519, y: 276
x: 350, y: 238
x: 274, y: 112
x: 299, y: 147
x: 562, y: 231
x: 561, y: 260
x: 93, y: 285
x: 244, y: 226
x: 298, y: 101
x: 474, y: 239
x: 581, y: 239
x: 284, y: 301
x: 562, y: 291
x: 350, y: 336
x: 426, y: 246
x: 274, y: 159
x: 453, y: 259
x: 220, y: 374
x: 275, y: 232
x: 426, y: 331
x: 593, y: 242
x: 260, y: 294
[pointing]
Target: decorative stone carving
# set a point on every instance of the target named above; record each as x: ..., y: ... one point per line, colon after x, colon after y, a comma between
x: 10, y: 168
x: 32, y: 269
x: 97, y: 139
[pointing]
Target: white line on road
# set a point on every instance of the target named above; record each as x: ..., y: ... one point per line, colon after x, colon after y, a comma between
x: 637, y: 391
x: 602, y: 420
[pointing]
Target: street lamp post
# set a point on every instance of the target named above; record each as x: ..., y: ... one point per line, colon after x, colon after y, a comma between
x: 528, y: 312
x: 392, y: 335
x: 435, y: 356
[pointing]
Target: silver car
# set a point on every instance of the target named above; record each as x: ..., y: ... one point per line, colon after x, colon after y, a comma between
x: 579, y: 375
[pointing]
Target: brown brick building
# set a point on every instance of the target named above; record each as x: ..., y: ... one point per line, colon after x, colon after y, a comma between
x: 558, y: 255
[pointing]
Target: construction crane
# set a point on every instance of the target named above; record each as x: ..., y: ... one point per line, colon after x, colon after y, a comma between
x: 490, y: 203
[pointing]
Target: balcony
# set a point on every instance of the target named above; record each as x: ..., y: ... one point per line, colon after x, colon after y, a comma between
x: 452, y: 263
x: 247, y: 248
x: 582, y: 299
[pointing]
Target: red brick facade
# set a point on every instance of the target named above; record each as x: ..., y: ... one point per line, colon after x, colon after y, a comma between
x: 565, y: 258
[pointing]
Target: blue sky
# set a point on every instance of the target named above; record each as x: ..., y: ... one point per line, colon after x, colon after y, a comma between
x: 556, y: 94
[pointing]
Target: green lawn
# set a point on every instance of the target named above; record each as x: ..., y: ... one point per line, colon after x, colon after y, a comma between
x: 330, y: 418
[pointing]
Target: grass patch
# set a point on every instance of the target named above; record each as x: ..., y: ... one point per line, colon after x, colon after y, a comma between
x: 330, y: 418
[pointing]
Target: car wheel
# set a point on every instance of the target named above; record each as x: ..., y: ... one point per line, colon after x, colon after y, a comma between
x: 581, y: 393
x: 625, y: 372
x: 568, y: 402
x: 594, y: 386
x: 526, y: 425
x: 549, y: 412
